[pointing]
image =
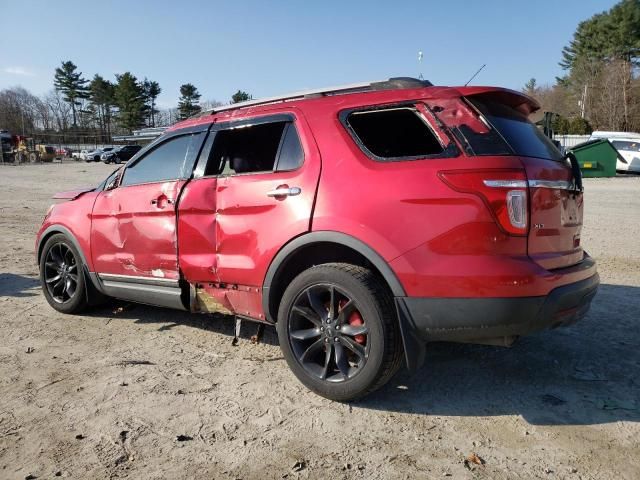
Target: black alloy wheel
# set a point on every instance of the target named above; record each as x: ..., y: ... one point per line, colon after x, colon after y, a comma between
x: 61, y: 273
x: 338, y: 331
x: 324, y: 341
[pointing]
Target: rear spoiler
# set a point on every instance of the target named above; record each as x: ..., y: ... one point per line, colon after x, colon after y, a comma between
x: 517, y: 100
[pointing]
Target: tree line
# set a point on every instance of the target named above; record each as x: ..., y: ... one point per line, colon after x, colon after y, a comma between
x: 600, y: 89
x: 80, y: 107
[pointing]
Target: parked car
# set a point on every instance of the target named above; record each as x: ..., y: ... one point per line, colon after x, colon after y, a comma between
x: 629, y: 149
x: 108, y: 153
x: 363, y: 222
x: 121, y: 154
x: 626, y: 144
x: 94, y: 156
x: 63, y: 152
x: 81, y: 155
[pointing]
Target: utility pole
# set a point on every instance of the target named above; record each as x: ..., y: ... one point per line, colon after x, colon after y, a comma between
x: 420, y: 56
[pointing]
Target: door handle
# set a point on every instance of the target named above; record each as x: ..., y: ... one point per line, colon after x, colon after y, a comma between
x: 162, y: 201
x: 284, y: 191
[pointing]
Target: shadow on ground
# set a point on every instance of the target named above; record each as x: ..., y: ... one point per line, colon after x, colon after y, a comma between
x: 170, y: 319
x: 582, y: 375
x: 12, y: 285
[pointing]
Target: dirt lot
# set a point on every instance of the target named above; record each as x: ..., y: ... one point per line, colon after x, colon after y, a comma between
x: 154, y: 393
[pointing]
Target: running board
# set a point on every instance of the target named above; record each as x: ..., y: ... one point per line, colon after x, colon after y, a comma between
x: 161, y: 292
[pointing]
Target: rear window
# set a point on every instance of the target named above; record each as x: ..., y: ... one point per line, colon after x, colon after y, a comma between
x: 394, y: 133
x: 522, y: 136
x: 628, y: 146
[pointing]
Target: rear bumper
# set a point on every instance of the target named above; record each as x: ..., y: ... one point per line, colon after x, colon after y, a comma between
x: 425, y: 320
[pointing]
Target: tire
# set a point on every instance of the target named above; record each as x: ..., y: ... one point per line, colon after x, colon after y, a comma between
x: 59, y: 252
x: 358, y: 349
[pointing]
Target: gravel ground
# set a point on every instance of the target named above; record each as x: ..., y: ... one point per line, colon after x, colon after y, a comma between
x: 154, y: 393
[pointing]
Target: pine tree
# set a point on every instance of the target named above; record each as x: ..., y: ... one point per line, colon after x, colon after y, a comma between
x: 102, y: 98
x: 73, y: 87
x: 240, y: 96
x: 188, y: 104
x: 129, y: 97
x: 531, y: 87
x: 151, y: 92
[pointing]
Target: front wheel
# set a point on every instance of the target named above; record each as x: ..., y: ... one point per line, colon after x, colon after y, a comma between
x: 338, y: 332
x: 62, y: 275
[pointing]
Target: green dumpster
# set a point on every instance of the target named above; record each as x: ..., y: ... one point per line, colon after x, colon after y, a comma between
x: 597, y: 158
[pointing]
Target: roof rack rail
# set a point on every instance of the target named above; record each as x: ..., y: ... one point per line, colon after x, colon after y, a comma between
x: 393, y: 83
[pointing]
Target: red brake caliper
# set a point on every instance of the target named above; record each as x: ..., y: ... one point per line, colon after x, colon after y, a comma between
x: 355, y: 320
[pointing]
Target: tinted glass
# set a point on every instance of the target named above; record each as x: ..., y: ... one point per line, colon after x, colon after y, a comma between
x: 394, y: 133
x: 291, y: 154
x: 170, y: 160
x: 245, y: 149
x: 523, y: 137
x: 624, y: 145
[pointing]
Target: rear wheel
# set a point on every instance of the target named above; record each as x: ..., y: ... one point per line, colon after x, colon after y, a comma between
x: 338, y: 332
x: 62, y: 275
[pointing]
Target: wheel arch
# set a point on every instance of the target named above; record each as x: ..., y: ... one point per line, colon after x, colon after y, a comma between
x: 315, y: 248
x: 54, y: 229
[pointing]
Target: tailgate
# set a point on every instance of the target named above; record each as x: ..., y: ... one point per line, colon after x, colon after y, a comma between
x: 556, y: 211
x: 555, y: 206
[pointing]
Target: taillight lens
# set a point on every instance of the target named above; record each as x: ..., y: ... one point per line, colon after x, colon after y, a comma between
x: 505, y: 193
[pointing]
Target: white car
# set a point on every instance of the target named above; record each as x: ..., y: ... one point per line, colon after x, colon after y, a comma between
x: 94, y: 155
x: 629, y: 149
x: 628, y: 146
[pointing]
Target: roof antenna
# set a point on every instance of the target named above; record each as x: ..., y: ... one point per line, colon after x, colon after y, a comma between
x: 420, y: 55
x: 475, y: 74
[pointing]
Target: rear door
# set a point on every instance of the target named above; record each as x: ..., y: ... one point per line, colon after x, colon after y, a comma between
x: 265, y: 172
x: 555, y: 205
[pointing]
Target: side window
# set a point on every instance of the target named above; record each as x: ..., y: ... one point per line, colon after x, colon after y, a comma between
x: 291, y: 154
x: 393, y: 133
x: 246, y: 149
x: 170, y: 160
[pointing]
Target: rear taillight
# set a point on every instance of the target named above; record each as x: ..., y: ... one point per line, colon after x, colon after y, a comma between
x: 505, y: 193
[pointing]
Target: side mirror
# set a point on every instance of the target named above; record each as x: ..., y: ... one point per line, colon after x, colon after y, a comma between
x: 112, y: 183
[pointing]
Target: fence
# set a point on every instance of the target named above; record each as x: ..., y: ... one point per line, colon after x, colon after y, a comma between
x: 569, y: 141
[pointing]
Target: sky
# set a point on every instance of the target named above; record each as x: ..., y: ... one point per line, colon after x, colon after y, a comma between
x: 268, y: 48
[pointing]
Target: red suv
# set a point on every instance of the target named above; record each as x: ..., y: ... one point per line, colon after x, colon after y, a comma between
x: 364, y: 221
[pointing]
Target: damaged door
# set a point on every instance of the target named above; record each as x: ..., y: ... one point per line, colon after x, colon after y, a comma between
x: 133, y: 228
x: 264, y: 172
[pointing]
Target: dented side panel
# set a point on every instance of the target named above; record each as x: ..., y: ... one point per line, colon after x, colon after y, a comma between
x: 197, y: 231
x: 251, y: 225
x: 221, y: 298
x: 133, y: 230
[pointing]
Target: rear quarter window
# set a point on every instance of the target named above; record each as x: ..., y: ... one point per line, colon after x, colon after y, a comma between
x: 393, y: 133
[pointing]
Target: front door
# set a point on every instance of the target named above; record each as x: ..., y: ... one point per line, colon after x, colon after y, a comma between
x: 133, y: 228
